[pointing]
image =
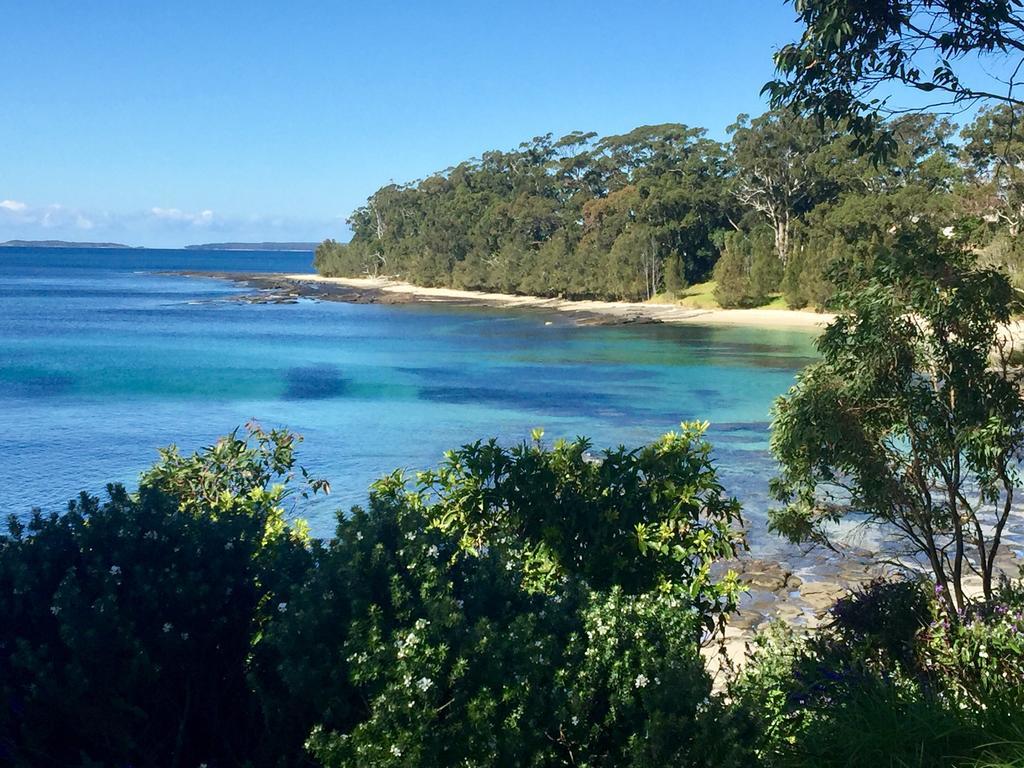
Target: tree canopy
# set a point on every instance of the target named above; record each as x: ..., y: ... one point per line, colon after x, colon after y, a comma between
x: 652, y: 211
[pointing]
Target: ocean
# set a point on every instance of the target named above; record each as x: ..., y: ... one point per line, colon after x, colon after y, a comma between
x: 103, y: 360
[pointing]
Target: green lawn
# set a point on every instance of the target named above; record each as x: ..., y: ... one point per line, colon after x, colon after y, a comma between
x: 702, y: 296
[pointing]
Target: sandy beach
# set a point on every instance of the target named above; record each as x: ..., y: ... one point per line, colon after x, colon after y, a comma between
x: 283, y: 287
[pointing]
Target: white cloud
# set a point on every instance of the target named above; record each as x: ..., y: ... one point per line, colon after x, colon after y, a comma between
x: 200, y: 219
x: 156, y: 225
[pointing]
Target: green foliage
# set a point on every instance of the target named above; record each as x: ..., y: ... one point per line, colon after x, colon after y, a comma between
x: 860, y: 691
x: 622, y: 217
x: 525, y: 607
x: 980, y: 660
x: 646, y: 213
x: 645, y: 519
x: 749, y: 270
x: 519, y: 607
x: 130, y: 628
x: 850, y: 56
x: 913, y: 408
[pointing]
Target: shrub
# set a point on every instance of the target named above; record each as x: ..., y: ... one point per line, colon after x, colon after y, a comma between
x: 979, y: 660
x: 885, y: 615
x: 880, y: 685
x: 128, y: 628
x: 524, y: 607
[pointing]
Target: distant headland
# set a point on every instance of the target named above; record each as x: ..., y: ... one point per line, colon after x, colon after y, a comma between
x: 60, y: 244
x: 253, y: 247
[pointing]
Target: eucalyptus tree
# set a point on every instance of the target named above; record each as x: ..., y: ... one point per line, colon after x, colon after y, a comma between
x: 994, y: 150
x: 783, y: 168
x: 852, y: 53
x: 914, y: 417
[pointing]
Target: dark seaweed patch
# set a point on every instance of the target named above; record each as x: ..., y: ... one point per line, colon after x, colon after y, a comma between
x: 318, y: 382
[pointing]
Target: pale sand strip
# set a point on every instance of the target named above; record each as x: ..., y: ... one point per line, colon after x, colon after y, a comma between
x: 667, y: 313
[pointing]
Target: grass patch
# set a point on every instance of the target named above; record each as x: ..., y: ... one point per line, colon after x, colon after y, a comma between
x: 699, y: 296
x: 702, y: 296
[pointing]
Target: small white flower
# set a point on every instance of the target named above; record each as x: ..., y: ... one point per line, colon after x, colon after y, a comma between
x: 359, y: 535
x: 641, y: 680
x: 167, y: 627
x: 282, y: 607
x: 54, y: 609
x: 432, y: 550
x: 395, y: 750
x: 424, y: 684
x: 115, y: 570
x: 184, y: 635
x: 229, y: 545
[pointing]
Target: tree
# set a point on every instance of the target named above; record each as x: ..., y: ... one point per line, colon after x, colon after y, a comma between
x: 994, y: 149
x: 852, y: 52
x: 782, y: 169
x: 914, y: 417
x: 748, y: 270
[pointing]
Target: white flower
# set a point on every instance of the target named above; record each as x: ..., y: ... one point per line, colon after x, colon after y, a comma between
x: 641, y: 680
x: 432, y: 550
x: 359, y: 535
x: 115, y: 569
x: 424, y: 684
x: 282, y: 607
x: 167, y: 627
x: 184, y: 635
x: 54, y: 609
x: 395, y: 750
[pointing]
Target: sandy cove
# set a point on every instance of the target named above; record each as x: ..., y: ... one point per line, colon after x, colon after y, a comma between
x: 615, y: 310
x: 280, y: 288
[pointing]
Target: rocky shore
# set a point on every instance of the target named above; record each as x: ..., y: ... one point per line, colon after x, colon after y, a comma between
x: 285, y: 289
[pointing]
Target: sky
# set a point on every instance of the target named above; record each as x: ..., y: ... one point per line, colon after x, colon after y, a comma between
x: 164, y: 124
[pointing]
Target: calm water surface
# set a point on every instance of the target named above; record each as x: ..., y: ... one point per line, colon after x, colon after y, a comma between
x: 102, y: 361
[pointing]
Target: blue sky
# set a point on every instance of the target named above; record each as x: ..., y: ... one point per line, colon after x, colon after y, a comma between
x: 174, y: 123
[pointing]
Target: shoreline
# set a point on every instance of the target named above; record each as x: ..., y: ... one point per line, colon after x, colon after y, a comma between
x: 796, y: 591
x: 286, y: 288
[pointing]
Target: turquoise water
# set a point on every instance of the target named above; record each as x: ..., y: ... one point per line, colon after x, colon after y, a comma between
x: 102, y: 361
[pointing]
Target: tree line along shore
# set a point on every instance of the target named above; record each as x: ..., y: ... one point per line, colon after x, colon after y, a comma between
x: 782, y: 214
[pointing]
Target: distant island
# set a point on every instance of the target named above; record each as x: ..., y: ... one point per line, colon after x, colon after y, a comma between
x: 60, y: 244
x: 253, y: 247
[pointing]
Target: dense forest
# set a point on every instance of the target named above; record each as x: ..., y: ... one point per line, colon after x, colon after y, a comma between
x: 783, y: 207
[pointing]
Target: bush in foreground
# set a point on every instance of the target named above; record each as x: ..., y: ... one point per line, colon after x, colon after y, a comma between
x: 129, y: 628
x: 886, y: 684
x: 525, y: 607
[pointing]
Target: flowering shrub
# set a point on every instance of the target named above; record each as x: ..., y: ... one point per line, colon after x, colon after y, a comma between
x: 518, y: 608
x: 979, y: 660
x: 128, y: 627
x: 878, y: 686
x: 505, y: 612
